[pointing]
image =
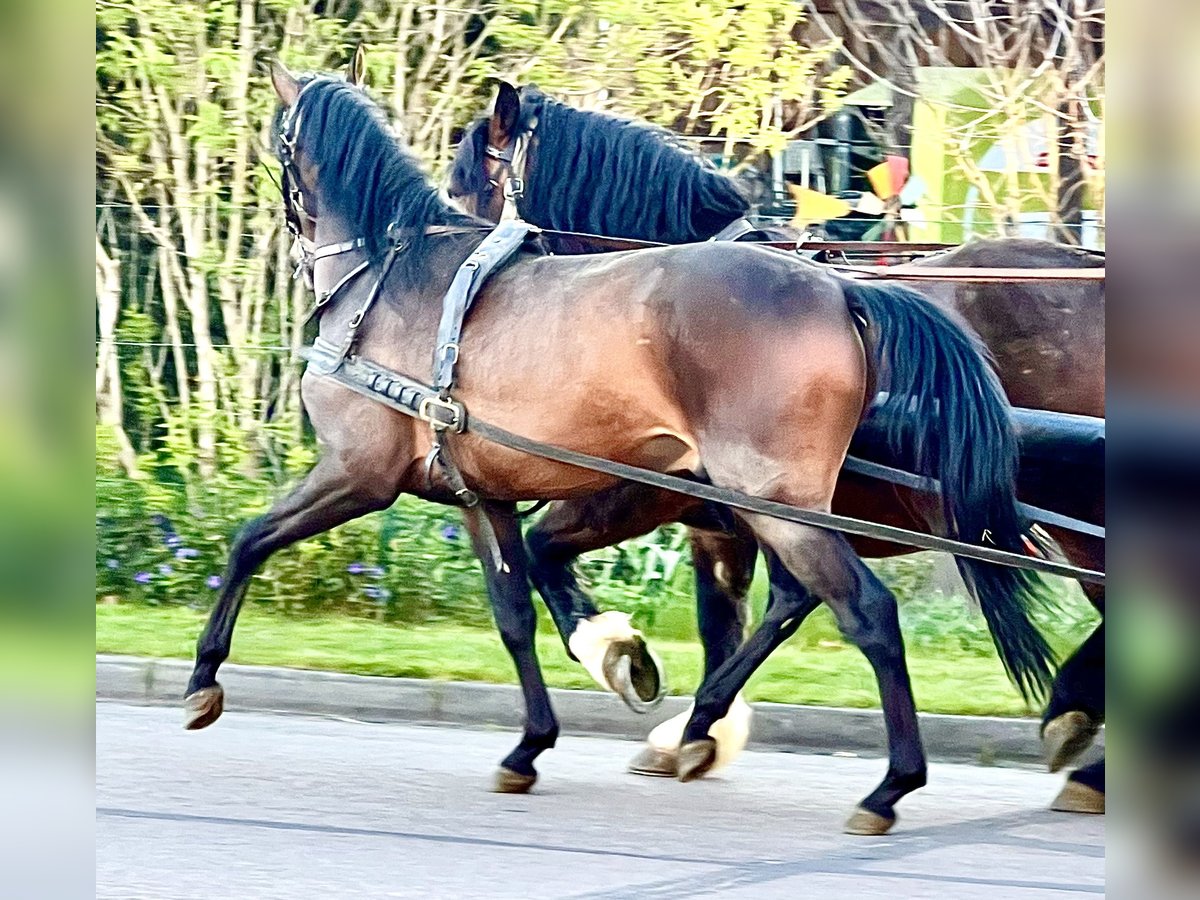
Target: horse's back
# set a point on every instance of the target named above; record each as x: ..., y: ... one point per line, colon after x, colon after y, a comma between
x: 1047, y: 337
x: 647, y: 354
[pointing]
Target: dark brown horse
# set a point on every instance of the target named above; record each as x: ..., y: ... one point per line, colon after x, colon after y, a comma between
x: 1048, y: 342
x: 724, y: 362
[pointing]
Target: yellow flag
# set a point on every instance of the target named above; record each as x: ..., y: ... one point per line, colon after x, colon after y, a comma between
x: 813, y: 206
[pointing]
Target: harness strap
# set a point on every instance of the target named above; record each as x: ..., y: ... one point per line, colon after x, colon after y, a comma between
x: 784, y: 511
x: 408, y: 396
x: 514, y: 156
x: 737, y: 228
x: 933, y: 486
x: 326, y: 298
x: 361, y: 313
x: 497, y: 248
x: 326, y: 250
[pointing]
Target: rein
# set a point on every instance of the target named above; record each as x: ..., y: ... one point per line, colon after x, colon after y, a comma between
x: 411, y: 397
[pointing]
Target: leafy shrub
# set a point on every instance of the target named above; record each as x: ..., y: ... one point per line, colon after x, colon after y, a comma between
x: 165, y: 538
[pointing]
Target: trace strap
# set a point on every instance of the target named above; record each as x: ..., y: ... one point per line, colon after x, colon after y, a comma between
x: 409, y: 397
x: 933, y: 486
x: 784, y: 511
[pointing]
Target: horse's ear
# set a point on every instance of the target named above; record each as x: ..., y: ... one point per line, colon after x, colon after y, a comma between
x: 356, y: 72
x: 286, y: 85
x: 504, y: 115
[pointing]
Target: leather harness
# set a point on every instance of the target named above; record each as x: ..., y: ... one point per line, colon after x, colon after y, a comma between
x: 435, y: 405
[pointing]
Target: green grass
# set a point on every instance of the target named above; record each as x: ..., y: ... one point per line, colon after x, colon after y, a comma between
x: 812, y: 668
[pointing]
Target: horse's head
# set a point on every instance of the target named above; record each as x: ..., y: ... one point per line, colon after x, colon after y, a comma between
x: 487, y: 177
x: 298, y: 178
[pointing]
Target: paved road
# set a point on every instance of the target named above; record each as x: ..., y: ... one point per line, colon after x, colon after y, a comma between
x: 264, y: 806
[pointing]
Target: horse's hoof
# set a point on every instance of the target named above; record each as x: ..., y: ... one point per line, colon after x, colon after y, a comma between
x: 510, y: 782
x: 655, y: 763
x: 1067, y: 736
x: 870, y: 823
x: 632, y: 670
x: 203, y: 707
x: 695, y: 759
x: 1079, y: 798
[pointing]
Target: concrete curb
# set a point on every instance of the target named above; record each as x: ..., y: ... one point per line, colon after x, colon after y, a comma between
x: 776, y: 726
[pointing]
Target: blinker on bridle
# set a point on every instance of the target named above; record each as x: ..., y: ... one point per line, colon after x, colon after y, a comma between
x: 305, y: 251
x: 513, y: 175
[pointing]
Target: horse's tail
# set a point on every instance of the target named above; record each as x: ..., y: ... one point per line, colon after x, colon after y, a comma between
x: 946, y: 413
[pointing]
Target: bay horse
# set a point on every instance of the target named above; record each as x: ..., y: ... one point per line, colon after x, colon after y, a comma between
x: 591, y: 172
x: 628, y: 179
x: 745, y: 368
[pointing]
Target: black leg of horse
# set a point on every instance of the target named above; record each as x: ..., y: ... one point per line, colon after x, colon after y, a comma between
x: 1076, y: 706
x: 790, y: 605
x: 821, y: 566
x: 724, y: 566
x: 602, y: 642
x: 512, y: 607
x: 329, y: 496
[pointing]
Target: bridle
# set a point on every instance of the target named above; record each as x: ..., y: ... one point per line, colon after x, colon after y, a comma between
x: 305, y: 251
x: 511, y: 177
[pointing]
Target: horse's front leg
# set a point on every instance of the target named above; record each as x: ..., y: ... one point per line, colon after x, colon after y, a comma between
x: 334, y: 492
x: 512, y: 606
x: 605, y: 643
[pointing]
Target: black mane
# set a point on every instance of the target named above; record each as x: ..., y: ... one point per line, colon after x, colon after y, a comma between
x: 598, y: 173
x: 364, y: 176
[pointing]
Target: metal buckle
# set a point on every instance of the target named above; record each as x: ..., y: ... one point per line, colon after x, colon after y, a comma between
x: 514, y: 188
x: 447, y: 350
x: 454, y: 420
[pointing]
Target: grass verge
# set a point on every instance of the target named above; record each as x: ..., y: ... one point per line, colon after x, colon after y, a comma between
x: 821, y: 672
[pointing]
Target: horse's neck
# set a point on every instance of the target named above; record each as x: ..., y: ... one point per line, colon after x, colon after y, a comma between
x: 565, y: 188
x: 401, y: 326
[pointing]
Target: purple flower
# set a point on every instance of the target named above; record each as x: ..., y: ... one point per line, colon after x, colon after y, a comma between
x: 173, y: 540
x: 373, y: 571
x: 213, y: 581
x: 450, y: 533
x: 112, y: 564
x: 142, y: 577
x: 356, y: 568
x: 186, y: 553
x: 164, y: 569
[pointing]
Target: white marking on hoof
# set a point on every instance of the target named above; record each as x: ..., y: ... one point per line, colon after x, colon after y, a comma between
x: 731, y: 733
x: 592, y: 637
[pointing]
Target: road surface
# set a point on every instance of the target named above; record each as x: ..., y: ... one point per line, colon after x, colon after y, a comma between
x: 265, y: 806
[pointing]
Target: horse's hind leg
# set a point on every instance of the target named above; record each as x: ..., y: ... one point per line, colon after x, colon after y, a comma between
x: 512, y: 607
x: 809, y: 565
x: 724, y: 566
x: 329, y: 495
